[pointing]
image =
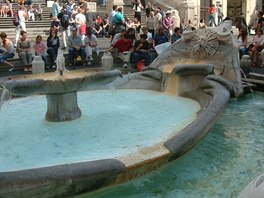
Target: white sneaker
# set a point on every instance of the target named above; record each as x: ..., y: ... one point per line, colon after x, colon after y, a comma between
x: 89, y: 63
x: 11, y: 69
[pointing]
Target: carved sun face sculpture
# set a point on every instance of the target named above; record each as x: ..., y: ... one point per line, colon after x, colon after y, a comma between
x: 204, y: 44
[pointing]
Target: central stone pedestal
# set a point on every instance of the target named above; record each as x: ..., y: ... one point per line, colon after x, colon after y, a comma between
x: 62, y: 107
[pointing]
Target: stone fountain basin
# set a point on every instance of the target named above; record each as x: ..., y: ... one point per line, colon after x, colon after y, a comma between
x: 69, y: 179
x: 60, y: 90
x: 54, y: 83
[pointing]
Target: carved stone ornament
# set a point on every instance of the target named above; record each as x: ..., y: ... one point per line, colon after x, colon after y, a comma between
x: 204, y: 44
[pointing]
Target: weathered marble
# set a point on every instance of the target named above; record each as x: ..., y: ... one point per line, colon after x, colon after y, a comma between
x: 60, y: 88
x: 205, y: 69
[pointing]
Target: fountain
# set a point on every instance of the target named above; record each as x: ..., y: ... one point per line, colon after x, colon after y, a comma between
x: 60, y: 89
x: 202, y: 66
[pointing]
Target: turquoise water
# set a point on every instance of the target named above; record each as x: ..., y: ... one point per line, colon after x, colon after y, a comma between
x: 113, y: 123
x: 220, y: 166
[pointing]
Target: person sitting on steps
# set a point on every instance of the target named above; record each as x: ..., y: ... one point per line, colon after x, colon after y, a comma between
x: 53, y: 44
x: 24, y: 51
x: 90, y: 44
x: 40, y: 49
x: 141, y: 48
x: 124, y: 47
x: 256, y: 46
x: 76, y: 47
x: 9, y: 51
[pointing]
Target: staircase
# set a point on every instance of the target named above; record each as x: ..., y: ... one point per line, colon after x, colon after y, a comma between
x: 42, y: 27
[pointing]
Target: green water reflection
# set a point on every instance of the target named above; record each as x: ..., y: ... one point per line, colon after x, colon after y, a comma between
x: 221, y: 165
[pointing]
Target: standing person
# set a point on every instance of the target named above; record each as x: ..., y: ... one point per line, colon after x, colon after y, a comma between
x: 241, y: 22
x: 64, y: 17
x: 53, y: 44
x: 168, y: 23
x: 148, y: 9
x: 24, y: 51
x: 80, y: 21
x: 111, y: 19
x: 90, y: 44
x: 220, y: 14
x: 55, y: 9
x: 40, y: 49
x: 75, y: 46
x: 22, y: 16
x: 211, y: 15
x: 242, y: 42
x: 151, y: 23
x: 118, y: 21
x: 9, y: 51
x: 137, y: 9
x: 89, y: 18
x: 260, y: 20
x: 158, y: 19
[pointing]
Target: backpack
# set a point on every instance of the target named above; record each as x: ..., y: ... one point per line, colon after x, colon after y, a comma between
x: 65, y: 20
x: 16, y: 19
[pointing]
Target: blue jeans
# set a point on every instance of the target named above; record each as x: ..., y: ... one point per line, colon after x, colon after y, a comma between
x: 44, y: 58
x: 73, y: 52
x: 3, y: 57
x: 53, y: 53
x: 137, y: 56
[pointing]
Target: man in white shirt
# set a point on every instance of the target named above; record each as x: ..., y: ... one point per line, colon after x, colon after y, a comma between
x: 80, y: 20
x: 22, y: 15
x: 110, y: 19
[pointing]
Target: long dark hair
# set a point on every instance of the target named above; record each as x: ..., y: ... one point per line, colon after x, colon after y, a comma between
x: 243, y: 34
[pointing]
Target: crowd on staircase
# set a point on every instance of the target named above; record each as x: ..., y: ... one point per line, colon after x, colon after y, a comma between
x: 79, y: 29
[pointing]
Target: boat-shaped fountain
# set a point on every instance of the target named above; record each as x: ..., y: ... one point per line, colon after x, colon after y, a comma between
x: 202, y: 67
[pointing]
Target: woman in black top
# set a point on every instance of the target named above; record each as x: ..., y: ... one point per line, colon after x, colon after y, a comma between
x: 53, y: 44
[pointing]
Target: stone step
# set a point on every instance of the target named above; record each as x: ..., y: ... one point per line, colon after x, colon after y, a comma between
x: 254, y: 81
x: 42, y: 27
x: 256, y: 75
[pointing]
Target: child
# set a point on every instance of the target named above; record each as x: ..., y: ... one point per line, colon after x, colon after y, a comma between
x: 40, y: 48
x: 176, y: 35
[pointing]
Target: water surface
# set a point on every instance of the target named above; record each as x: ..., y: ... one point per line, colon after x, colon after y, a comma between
x: 113, y: 123
x: 220, y: 166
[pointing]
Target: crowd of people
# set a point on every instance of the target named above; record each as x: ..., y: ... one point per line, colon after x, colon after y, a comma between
x: 255, y: 47
x: 79, y: 29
